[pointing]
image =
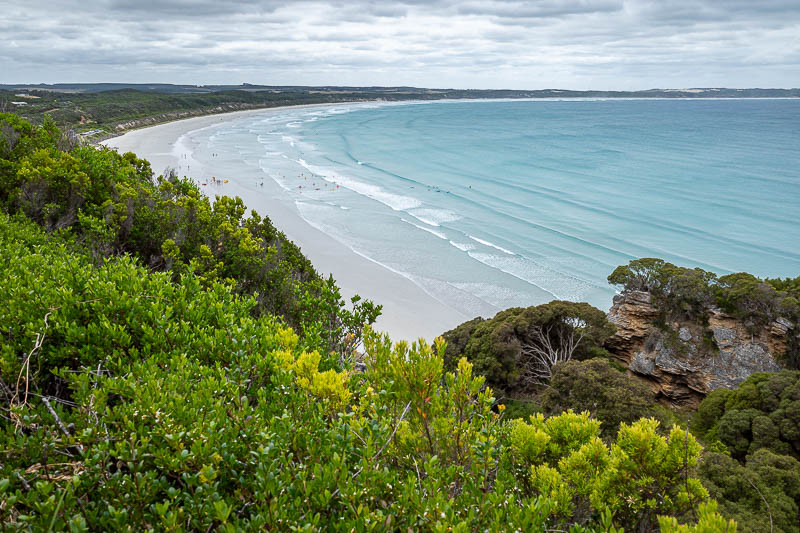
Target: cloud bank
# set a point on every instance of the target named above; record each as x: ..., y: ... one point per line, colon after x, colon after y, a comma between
x: 574, y: 44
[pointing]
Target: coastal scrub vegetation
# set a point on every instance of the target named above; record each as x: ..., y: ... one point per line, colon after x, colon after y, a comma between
x: 136, y: 400
x: 599, y: 387
x: 764, y: 412
x: 752, y: 466
x: 751, y: 463
x: 168, y: 364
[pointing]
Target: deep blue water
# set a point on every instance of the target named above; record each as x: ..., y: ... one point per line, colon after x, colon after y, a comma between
x: 490, y: 204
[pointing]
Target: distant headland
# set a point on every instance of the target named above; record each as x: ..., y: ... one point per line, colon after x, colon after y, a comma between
x: 402, y: 92
x: 97, y: 111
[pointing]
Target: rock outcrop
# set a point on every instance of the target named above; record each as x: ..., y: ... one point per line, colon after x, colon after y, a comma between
x: 684, y: 361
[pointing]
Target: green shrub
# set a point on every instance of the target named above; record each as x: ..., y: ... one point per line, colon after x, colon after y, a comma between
x: 765, y: 490
x: 638, y: 477
x: 708, y: 521
x: 609, y: 395
x: 677, y: 291
x: 763, y: 413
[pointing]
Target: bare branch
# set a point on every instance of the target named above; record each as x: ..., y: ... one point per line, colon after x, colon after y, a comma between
x: 26, y: 364
x: 55, y: 415
x: 549, y: 347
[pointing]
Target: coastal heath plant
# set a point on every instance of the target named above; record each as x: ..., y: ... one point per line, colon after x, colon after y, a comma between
x: 708, y: 521
x: 640, y: 476
x: 446, y: 413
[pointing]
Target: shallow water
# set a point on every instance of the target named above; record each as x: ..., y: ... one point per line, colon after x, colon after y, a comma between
x: 492, y: 204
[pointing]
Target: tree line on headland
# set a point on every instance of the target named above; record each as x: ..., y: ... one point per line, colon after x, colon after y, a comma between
x: 175, y: 364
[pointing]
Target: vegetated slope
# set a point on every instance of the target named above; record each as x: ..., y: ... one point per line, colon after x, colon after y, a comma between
x: 137, y: 394
x: 115, y: 205
x: 117, y: 110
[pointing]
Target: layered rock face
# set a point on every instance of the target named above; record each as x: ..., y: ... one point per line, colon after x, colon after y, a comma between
x: 684, y: 362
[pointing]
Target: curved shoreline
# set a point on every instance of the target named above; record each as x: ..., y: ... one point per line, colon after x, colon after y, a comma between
x: 408, y: 311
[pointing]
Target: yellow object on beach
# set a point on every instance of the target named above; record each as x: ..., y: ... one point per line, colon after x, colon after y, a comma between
x: 226, y: 181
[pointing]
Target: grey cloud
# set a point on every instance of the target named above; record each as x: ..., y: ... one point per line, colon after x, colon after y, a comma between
x: 495, y: 43
x: 539, y: 9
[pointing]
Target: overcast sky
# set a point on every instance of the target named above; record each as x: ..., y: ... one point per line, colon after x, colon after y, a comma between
x: 571, y: 44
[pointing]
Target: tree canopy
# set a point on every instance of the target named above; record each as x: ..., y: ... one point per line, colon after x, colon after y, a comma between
x: 507, y: 348
x: 596, y: 386
x: 764, y: 412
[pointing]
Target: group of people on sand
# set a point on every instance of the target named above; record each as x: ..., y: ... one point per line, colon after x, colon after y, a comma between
x: 214, y: 181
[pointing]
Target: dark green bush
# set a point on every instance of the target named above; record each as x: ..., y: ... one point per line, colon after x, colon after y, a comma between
x: 762, y: 495
x: 677, y: 291
x: 609, y: 395
x: 763, y: 413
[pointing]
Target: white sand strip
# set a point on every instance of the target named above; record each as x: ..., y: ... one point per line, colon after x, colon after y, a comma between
x: 408, y: 312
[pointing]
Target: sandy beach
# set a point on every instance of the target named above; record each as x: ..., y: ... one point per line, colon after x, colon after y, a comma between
x: 408, y: 311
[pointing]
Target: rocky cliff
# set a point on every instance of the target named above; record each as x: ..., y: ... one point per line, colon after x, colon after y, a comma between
x: 684, y: 361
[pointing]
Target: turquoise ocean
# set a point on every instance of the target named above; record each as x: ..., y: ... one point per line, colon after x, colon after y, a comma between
x: 493, y: 204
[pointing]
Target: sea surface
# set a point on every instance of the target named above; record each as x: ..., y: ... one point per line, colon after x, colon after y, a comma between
x: 493, y: 204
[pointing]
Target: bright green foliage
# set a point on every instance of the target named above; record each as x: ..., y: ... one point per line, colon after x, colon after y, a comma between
x: 763, y: 413
x: 497, y: 347
x: 114, y: 205
x: 709, y: 521
x: 765, y: 490
x: 638, y: 477
x: 103, y: 316
x: 609, y: 395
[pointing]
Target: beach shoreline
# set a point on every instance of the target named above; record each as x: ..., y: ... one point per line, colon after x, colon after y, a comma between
x: 408, y: 313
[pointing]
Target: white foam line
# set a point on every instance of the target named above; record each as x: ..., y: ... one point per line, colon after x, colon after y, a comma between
x: 429, y: 230
x: 434, y: 217
x: 321, y: 227
x: 511, y: 273
x: 394, y: 201
x: 491, y: 245
x: 464, y: 247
